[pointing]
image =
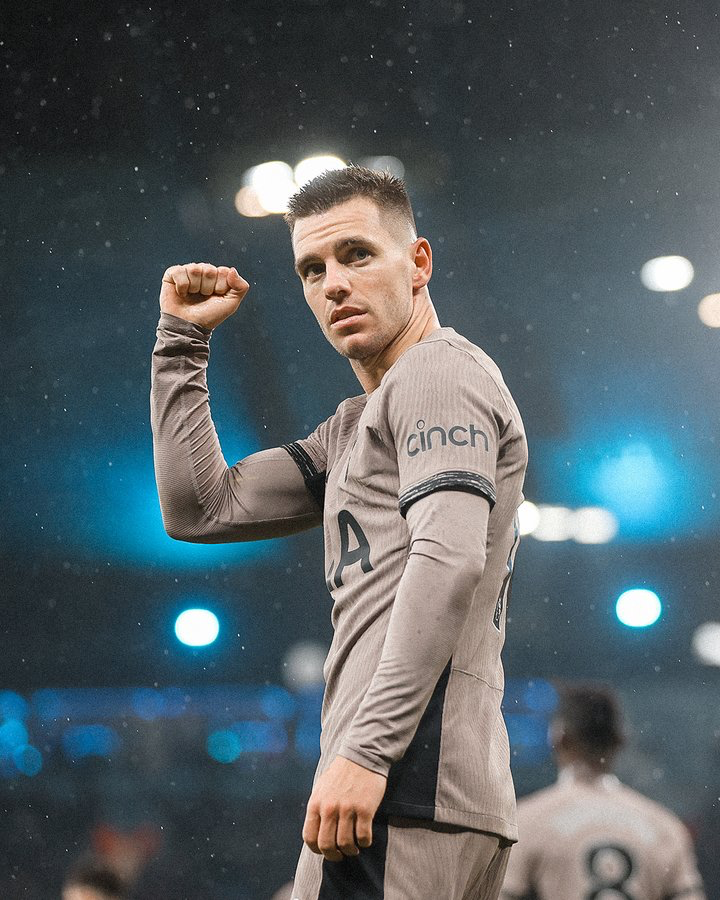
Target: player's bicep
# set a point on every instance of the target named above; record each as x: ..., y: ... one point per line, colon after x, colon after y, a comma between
x: 262, y: 496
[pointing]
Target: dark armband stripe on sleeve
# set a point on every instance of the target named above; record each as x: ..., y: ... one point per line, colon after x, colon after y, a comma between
x: 448, y: 481
x: 314, y: 480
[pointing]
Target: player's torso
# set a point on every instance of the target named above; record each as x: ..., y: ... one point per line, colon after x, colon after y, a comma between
x: 598, y: 843
x: 366, y: 546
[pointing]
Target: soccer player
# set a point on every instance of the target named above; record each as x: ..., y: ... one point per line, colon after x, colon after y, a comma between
x: 588, y: 835
x: 416, y: 482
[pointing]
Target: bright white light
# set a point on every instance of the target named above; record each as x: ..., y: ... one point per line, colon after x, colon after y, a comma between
x: 310, y: 168
x: 389, y: 164
x: 197, y: 627
x: 706, y: 643
x: 555, y: 524
x: 709, y: 310
x: 273, y: 185
x: 303, y: 665
x: 667, y: 273
x: 528, y: 517
x: 638, y: 608
x: 594, y: 525
x: 248, y: 204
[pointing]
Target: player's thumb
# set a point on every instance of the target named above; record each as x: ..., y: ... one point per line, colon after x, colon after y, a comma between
x: 236, y: 282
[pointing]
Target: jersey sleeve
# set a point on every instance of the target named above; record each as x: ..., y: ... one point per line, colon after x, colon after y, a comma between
x: 446, y: 416
x: 201, y: 498
x: 310, y: 456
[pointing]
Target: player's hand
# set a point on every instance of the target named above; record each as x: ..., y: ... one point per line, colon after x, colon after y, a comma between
x: 341, y: 808
x: 202, y: 293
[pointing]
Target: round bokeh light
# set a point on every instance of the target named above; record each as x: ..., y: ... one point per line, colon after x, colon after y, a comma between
x: 638, y: 608
x: 667, y: 273
x: 197, y: 627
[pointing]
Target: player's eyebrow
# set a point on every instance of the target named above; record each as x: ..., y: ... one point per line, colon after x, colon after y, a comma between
x: 342, y: 244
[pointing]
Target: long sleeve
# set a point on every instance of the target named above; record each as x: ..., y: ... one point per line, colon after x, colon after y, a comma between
x: 202, y: 499
x: 448, y: 533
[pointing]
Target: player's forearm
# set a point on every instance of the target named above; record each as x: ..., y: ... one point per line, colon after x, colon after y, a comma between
x: 434, y: 597
x: 202, y: 500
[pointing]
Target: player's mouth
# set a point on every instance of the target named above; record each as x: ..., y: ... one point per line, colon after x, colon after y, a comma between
x: 345, y: 317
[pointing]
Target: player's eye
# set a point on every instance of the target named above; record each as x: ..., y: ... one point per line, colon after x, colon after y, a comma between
x: 360, y: 253
x: 313, y: 269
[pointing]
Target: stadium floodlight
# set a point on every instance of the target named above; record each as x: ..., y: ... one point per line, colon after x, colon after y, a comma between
x: 555, y: 523
x: 272, y: 184
x: 706, y: 643
x: 389, y: 164
x: 197, y: 627
x: 312, y: 166
x: 709, y: 310
x: 638, y: 608
x: 528, y: 517
x: 248, y: 204
x: 667, y: 273
x: 594, y: 525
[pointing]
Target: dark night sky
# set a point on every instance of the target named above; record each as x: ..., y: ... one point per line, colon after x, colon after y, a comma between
x: 550, y: 149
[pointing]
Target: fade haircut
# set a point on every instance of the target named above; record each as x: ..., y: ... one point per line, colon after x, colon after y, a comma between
x: 339, y: 185
x: 591, y: 718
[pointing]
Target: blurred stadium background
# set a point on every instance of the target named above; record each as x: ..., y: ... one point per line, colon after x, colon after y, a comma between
x: 552, y: 152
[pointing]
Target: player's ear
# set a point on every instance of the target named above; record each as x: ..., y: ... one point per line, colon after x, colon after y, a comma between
x: 422, y: 262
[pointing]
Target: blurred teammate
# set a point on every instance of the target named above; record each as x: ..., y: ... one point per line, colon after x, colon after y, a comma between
x: 93, y: 880
x: 416, y: 482
x: 589, y: 837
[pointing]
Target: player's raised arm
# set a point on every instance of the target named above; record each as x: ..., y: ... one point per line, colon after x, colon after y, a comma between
x: 202, y: 499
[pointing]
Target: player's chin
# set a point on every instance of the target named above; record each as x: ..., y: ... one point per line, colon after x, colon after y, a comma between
x: 356, y: 346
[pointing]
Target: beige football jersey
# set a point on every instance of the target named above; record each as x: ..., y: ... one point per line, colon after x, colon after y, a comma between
x: 442, y: 419
x: 597, y: 839
x: 414, y: 679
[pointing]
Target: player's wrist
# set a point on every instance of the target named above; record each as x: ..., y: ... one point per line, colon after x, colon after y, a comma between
x: 179, y: 324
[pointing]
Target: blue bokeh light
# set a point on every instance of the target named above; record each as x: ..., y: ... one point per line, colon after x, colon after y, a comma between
x: 28, y: 760
x: 90, y: 740
x: 13, y: 734
x: 528, y: 738
x: 12, y: 705
x: 224, y: 745
x: 638, y: 608
x: 635, y: 482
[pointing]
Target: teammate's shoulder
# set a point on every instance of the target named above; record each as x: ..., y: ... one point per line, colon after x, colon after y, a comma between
x: 652, y: 809
x: 539, y: 800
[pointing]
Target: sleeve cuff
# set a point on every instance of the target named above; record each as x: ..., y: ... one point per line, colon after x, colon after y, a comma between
x: 176, y: 325
x: 457, y: 480
x: 362, y: 759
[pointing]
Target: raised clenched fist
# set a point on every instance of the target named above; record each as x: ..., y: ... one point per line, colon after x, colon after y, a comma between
x: 202, y: 293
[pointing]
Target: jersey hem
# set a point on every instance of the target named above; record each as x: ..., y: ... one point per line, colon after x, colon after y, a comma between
x: 476, y: 821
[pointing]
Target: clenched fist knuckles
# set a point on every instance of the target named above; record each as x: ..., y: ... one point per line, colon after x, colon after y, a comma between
x: 202, y: 293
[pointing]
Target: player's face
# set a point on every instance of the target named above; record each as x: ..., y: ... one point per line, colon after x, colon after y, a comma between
x: 357, y: 267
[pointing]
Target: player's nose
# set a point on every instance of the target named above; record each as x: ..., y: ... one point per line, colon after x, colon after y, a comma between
x: 337, y: 284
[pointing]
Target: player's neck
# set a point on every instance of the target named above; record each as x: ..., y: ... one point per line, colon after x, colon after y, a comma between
x: 582, y: 770
x: 370, y: 371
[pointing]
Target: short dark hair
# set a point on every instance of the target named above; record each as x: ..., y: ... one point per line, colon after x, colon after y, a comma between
x: 592, y: 719
x: 340, y: 185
